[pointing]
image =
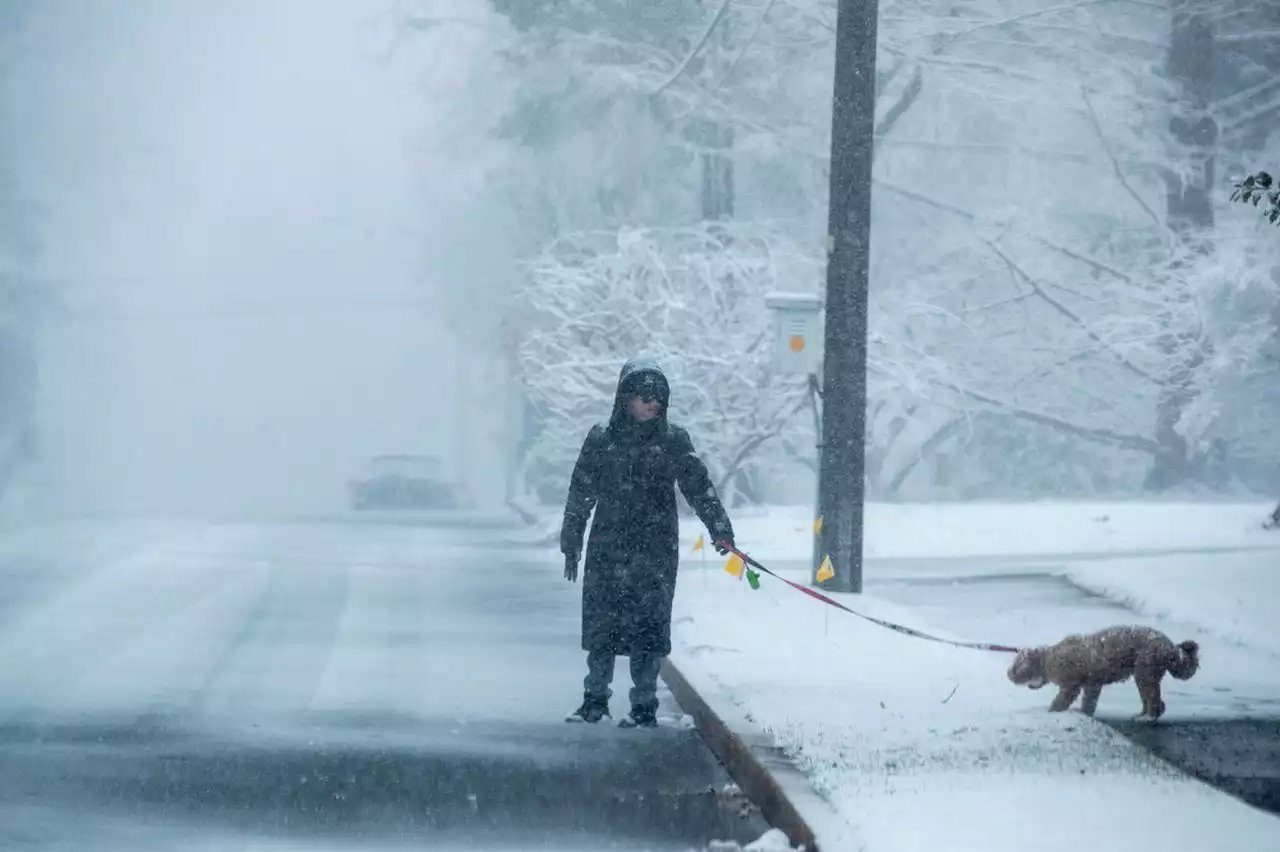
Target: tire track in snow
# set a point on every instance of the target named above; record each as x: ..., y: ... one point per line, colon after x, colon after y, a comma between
x: 375, y: 662
x: 140, y: 675
x: 39, y: 565
x: 52, y: 647
x: 276, y: 660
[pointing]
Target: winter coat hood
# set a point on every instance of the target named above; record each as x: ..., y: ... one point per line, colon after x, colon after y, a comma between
x: 639, y: 374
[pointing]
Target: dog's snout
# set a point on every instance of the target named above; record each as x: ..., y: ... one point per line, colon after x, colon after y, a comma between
x: 1017, y: 669
x: 1023, y: 671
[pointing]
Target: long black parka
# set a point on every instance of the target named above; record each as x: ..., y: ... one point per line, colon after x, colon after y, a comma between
x: 627, y: 471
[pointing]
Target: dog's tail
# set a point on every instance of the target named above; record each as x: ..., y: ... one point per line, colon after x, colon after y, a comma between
x: 1185, y: 661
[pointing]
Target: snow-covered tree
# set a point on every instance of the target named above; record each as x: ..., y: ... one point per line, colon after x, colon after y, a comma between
x: 1064, y: 297
x: 694, y: 298
x: 1038, y: 324
x: 597, y: 149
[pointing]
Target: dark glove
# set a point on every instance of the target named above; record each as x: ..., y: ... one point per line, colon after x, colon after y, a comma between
x: 571, y: 567
x: 723, y: 543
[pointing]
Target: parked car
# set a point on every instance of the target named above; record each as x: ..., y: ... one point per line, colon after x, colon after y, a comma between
x: 403, y: 481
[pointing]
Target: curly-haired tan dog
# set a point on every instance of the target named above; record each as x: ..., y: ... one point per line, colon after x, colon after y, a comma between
x: 1090, y: 662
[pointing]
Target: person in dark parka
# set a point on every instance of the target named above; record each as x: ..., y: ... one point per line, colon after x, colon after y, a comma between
x: 627, y: 471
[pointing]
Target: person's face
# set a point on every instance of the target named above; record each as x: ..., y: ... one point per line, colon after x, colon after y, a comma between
x: 644, y: 406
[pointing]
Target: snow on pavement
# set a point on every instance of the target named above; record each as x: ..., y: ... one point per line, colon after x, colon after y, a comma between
x: 123, y: 617
x: 1028, y: 608
x: 256, y: 685
x: 922, y: 746
x: 1233, y: 596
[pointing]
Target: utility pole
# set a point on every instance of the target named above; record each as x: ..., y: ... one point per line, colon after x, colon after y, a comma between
x: 841, y: 478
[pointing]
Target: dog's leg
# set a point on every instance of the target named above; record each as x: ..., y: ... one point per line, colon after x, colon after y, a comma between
x: 1092, y: 693
x: 1148, y: 682
x: 1065, y: 698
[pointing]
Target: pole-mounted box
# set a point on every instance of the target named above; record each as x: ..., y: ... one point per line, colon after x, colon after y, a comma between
x: 797, y: 337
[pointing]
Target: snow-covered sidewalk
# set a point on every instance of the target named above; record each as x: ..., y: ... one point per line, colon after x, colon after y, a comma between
x: 922, y: 746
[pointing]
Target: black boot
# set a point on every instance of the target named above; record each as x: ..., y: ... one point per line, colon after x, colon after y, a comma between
x: 640, y: 717
x: 591, y: 711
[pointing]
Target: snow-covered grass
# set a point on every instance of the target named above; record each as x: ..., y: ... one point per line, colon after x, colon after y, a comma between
x: 920, y: 746
x: 950, y: 530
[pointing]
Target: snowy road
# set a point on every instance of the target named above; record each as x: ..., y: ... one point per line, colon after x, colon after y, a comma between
x: 315, y: 684
x: 1223, y: 725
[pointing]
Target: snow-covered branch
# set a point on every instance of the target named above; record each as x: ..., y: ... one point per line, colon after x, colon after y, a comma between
x: 691, y: 297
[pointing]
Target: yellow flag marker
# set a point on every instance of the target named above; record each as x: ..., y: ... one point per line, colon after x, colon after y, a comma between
x: 817, y: 526
x: 734, y: 566
x: 825, y: 571
x: 698, y: 545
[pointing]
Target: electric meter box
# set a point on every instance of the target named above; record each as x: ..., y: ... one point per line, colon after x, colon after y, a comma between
x: 797, y: 331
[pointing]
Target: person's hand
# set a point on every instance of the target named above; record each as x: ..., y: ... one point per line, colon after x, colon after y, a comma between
x: 571, y: 567
x: 723, y: 544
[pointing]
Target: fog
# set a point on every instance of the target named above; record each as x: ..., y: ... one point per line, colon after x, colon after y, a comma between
x: 239, y: 213
x: 279, y: 236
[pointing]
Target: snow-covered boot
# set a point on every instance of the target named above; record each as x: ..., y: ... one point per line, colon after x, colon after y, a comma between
x: 639, y: 717
x: 591, y: 711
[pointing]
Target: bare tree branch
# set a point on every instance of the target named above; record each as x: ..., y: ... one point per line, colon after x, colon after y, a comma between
x: 748, y: 447
x: 1115, y: 164
x: 1099, y: 435
x: 1020, y: 274
x: 697, y: 48
x: 957, y: 34
x: 975, y: 218
x: 937, y: 439
x: 899, y: 108
x: 746, y: 45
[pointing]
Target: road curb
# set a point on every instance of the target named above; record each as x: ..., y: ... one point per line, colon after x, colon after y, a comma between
x: 758, y: 766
